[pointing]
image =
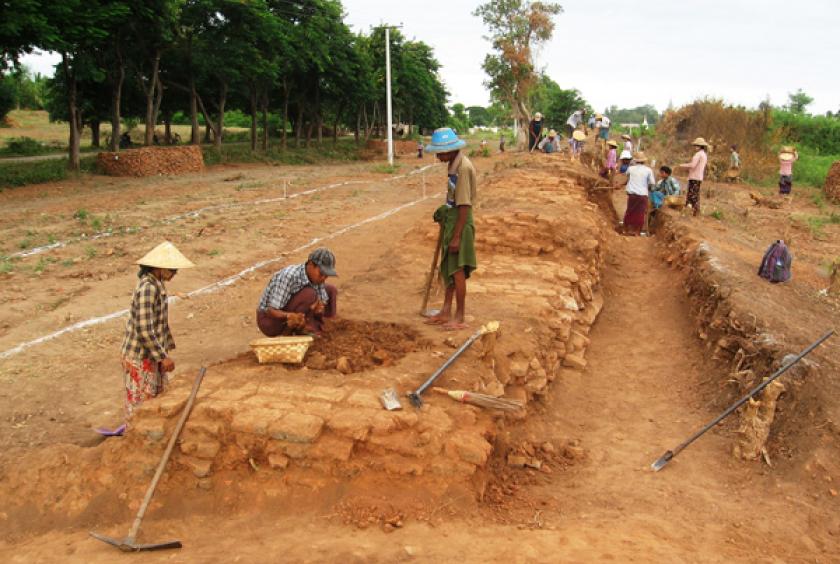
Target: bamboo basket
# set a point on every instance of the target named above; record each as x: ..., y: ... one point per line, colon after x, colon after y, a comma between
x: 288, y: 350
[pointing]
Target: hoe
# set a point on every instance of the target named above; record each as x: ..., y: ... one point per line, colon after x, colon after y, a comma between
x: 129, y: 543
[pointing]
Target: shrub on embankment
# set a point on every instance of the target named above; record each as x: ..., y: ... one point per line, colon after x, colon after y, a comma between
x: 36, y: 172
x: 758, y: 135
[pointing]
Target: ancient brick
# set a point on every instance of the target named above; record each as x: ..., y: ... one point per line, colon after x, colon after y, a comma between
x: 574, y: 361
x: 363, y: 398
x: 470, y: 448
x: 278, y: 461
x: 332, y: 448
x: 170, y: 404
x: 324, y: 393
x: 200, y: 468
x: 212, y: 427
x: 254, y: 421
x: 296, y: 428
x: 351, y: 423
x: 207, y: 448
x: 519, y: 368
x: 153, y: 428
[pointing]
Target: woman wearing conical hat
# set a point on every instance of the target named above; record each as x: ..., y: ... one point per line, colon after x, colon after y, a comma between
x: 148, y: 341
x: 787, y: 156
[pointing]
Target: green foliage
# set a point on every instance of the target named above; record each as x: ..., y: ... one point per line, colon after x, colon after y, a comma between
x: 717, y: 214
x: 819, y: 133
x: 633, y: 115
x: 385, y: 168
x: 798, y: 101
x: 554, y: 103
x: 344, y: 150
x: 81, y: 215
x: 24, y: 146
x: 812, y: 169
x: 36, y: 172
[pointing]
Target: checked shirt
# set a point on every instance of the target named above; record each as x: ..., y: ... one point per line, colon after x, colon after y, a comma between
x: 285, y: 284
x: 147, y: 334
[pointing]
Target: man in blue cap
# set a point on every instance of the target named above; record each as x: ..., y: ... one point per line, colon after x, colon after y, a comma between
x: 456, y: 219
x: 297, y: 298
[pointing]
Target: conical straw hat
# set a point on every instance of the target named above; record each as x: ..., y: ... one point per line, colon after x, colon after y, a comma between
x: 640, y: 157
x: 579, y: 135
x: 786, y: 156
x: 700, y: 142
x: 165, y: 255
x: 612, y: 143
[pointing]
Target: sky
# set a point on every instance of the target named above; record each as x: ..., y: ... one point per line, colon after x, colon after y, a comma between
x: 634, y: 52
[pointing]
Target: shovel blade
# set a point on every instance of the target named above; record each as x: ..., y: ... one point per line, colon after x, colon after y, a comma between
x: 430, y: 312
x: 389, y: 399
x: 662, y: 461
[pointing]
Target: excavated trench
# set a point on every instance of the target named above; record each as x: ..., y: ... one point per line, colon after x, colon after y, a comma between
x: 269, y: 437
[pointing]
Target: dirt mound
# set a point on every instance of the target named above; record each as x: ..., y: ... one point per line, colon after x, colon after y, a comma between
x: 831, y: 189
x: 151, y: 161
x: 362, y: 345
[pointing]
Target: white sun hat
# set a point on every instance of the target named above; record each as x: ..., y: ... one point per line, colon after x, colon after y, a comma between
x: 625, y: 154
x: 165, y: 255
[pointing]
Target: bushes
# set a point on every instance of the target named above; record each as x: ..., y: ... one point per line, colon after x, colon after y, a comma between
x: 818, y: 133
x: 20, y: 174
x: 24, y: 146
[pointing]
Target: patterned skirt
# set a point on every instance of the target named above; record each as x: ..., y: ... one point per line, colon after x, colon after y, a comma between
x: 693, y: 197
x: 785, y: 183
x: 636, y: 211
x: 143, y: 380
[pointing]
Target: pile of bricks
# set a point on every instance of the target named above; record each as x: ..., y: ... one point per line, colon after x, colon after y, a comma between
x: 152, y: 161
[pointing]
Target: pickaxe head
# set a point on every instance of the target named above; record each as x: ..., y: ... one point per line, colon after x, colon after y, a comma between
x: 415, y: 399
x: 662, y: 461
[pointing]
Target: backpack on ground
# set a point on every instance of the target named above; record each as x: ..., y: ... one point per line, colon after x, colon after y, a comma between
x: 775, y: 266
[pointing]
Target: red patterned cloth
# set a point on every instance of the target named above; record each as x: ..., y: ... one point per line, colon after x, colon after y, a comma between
x: 143, y: 380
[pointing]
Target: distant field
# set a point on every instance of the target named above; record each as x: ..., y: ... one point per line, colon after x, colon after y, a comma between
x: 37, y: 125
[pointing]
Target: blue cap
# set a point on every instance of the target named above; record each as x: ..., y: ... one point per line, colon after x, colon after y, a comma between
x: 445, y: 140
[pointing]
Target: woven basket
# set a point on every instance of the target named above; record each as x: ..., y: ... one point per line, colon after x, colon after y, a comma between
x: 289, y: 350
x: 677, y: 202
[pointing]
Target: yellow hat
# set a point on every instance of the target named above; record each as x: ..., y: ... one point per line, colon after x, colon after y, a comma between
x: 640, y: 157
x: 552, y: 133
x: 700, y: 142
x: 786, y: 157
x: 599, y: 116
x: 165, y: 255
x: 579, y: 135
x: 626, y: 137
x: 612, y: 143
x: 788, y: 149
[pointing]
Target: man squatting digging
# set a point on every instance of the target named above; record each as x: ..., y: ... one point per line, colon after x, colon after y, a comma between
x: 458, y: 258
x: 297, y: 298
x: 148, y: 340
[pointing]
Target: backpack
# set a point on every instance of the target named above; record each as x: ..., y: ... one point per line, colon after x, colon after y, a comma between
x: 775, y: 266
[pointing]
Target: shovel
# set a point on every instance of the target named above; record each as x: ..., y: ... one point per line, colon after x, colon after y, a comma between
x: 432, y: 312
x: 129, y: 543
x: 414, y: 397
x: 666, y: 458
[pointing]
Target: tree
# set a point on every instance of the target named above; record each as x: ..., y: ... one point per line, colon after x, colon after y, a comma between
x: 8, y: 99
x: 458, y: 119
x: 479, y: 116
x: 82, y: 26
x: 23, y: 26
x: 555, y: 103
x: 516, y: 28
x: 798, y: 101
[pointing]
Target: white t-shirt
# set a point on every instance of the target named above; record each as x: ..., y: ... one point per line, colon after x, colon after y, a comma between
x: 639, y: 179
x: 605, y: 122
x: 575, y: 119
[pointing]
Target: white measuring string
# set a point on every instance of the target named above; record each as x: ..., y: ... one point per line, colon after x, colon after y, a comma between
x: 195, y: 213
x: 215, y: 286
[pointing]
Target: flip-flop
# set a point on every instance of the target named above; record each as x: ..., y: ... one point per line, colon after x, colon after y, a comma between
x: 105, y: 432
x: 454, y: 326
x: 433, y: 321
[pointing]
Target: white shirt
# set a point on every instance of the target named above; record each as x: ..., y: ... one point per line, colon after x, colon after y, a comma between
x: 605, y: 122
x: 575, y: 119
x: 628, y: 146
x: 639, y: 179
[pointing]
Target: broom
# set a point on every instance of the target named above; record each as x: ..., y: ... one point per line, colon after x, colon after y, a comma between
x: 481, y: 400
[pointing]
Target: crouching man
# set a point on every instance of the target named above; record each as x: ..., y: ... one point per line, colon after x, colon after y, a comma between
x: 297, y: 299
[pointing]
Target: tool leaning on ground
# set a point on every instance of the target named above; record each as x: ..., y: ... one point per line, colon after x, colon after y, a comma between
x: 669, y: 455
x: 129, y: 544
x: 432, y: 312
x: 414, y: 397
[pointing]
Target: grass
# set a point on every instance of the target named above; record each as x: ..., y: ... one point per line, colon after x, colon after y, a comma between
x: 81, y: 214
x: 385, y: 168
x: 6, y: 265
x: 21, y: 174
x: 717, y: 214
x: 811, y: 169
x: 214, y: 253
x: 90, y: 252
x: 344, y: 150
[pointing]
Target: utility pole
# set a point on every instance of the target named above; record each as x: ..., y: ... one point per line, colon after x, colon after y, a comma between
x: 388, y: 95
